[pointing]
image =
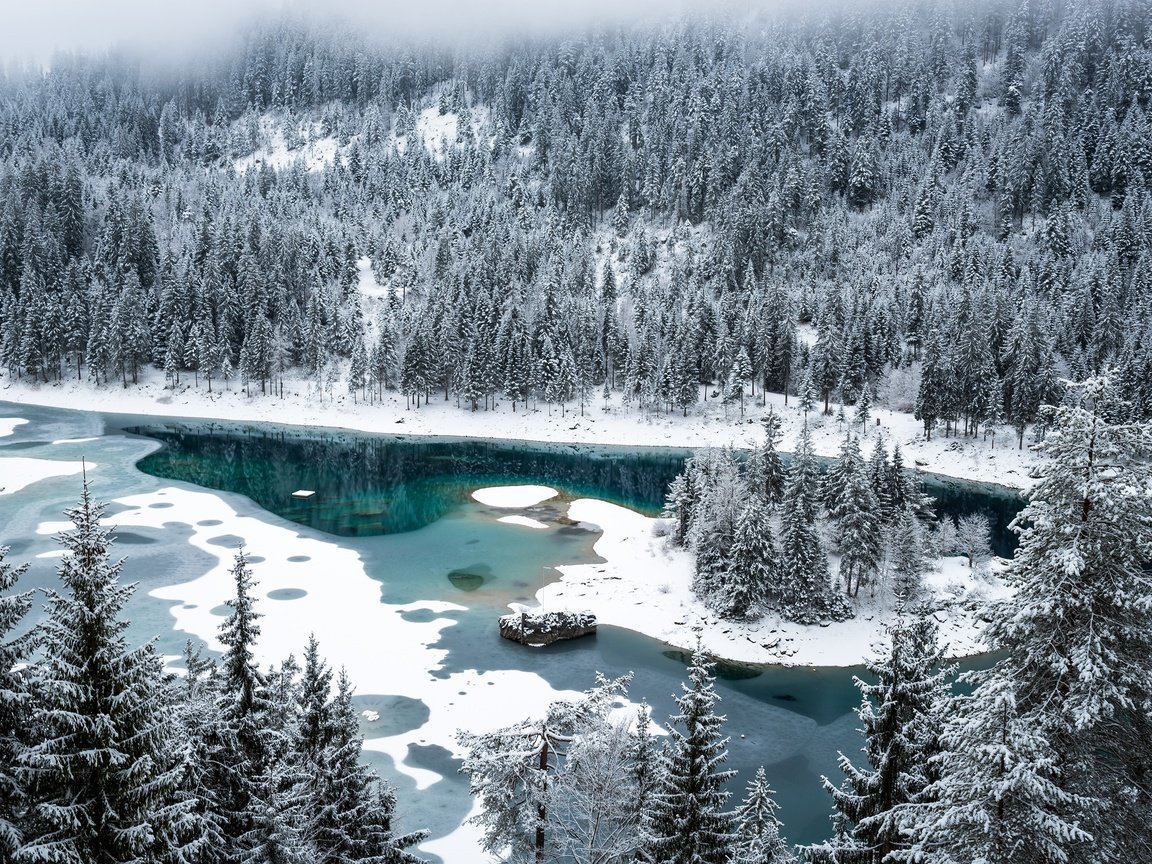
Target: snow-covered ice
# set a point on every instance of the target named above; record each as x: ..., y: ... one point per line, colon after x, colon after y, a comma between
x: 524, y: 521
x: 9, y: 424
x: 18, y: 472
x: 517, y: 497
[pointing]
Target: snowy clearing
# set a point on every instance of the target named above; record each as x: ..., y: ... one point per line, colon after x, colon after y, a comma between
x: 316, y: 153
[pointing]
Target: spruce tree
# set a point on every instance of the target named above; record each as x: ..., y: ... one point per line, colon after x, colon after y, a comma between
x: 901, y: 717
x: 240, y: 754
x: 752, y: 577
x: 687, y: 823
x: 346, y: 821
x: 15, y: 704
x: 1078, y: 631
x: 765, y: 469
x: 806, y: 592
x: 102, y: 776
x: 758, y: 829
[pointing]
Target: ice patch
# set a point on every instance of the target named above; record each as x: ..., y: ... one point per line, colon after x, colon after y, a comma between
x: 17, y: 472
x: 8, y: 424
x: 522, y: 520
x: 513, y: 496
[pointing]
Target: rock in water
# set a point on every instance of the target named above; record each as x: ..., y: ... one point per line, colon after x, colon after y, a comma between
x: 534, y: 628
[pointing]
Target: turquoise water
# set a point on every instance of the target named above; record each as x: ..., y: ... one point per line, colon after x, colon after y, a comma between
x: 385, y: 484
x: 403, y: 505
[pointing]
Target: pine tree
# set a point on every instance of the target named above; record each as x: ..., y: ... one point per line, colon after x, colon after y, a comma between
x: 1000, y: 795
x: 15, y: 704
x: 687, y: 823
x: 766, y: 472
x: 102, y: 776
x: 752, y: 577
x: 1079, y: 629
x: 342, y: 801
x: 901, y: 717
x: 240, y: 751
x: 806, y: 592
x: 758, y: 829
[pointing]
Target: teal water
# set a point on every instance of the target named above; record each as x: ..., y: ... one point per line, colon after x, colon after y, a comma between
x: 404, y: 506
x: 386, y: 484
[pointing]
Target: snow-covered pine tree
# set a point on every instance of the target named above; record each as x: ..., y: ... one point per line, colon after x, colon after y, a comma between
x: 806, y: 591
x: 907, y: 557
x: 240, y: 756
x: 1000, y: 795
x: 901, y: 717
x: 764, y: 469
x: 344, y: 821
x: 514, y: 771
x: 752, y: 578
x: 680, y: 504
x: 15, y: 704
x: 1078, y: 632
x: 102, y: 775
x: 687, y: 823
x: 200, y: 730
x: 758, y: 839
x: 857, y: 519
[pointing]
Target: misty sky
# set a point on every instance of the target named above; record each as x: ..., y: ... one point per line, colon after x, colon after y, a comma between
x: 33, y: 29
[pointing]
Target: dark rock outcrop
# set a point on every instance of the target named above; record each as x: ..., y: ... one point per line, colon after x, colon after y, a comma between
x: 534, y: 628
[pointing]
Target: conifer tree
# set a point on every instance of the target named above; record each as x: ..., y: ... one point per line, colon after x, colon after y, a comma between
x: 752, y: 577
x: 687, y: 823
x: 758, y: 829
x: 901, y: 717
x: 15, y: 704
x: 766, y: 472
x: 806, y: 592
x: 102, y: 776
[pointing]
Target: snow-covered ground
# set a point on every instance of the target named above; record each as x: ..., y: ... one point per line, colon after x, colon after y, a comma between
x: 441, y: 132
x: 707, y: 425
x: 645, y: 585
x: 316, y: 153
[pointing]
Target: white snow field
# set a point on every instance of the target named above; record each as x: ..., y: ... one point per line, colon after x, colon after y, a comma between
x: 8, y: 425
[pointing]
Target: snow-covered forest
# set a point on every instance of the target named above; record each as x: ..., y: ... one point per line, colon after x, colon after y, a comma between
x: 932, y: 207
x: 941, y: 206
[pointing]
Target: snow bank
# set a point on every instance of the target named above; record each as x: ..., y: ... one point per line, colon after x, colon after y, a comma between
x: 9, y: 424
x: 708, y: 425
x: 17, y: 472
x: 514, y: 496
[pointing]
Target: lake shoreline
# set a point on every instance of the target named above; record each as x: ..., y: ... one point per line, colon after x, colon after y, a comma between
x: 706, y: 427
